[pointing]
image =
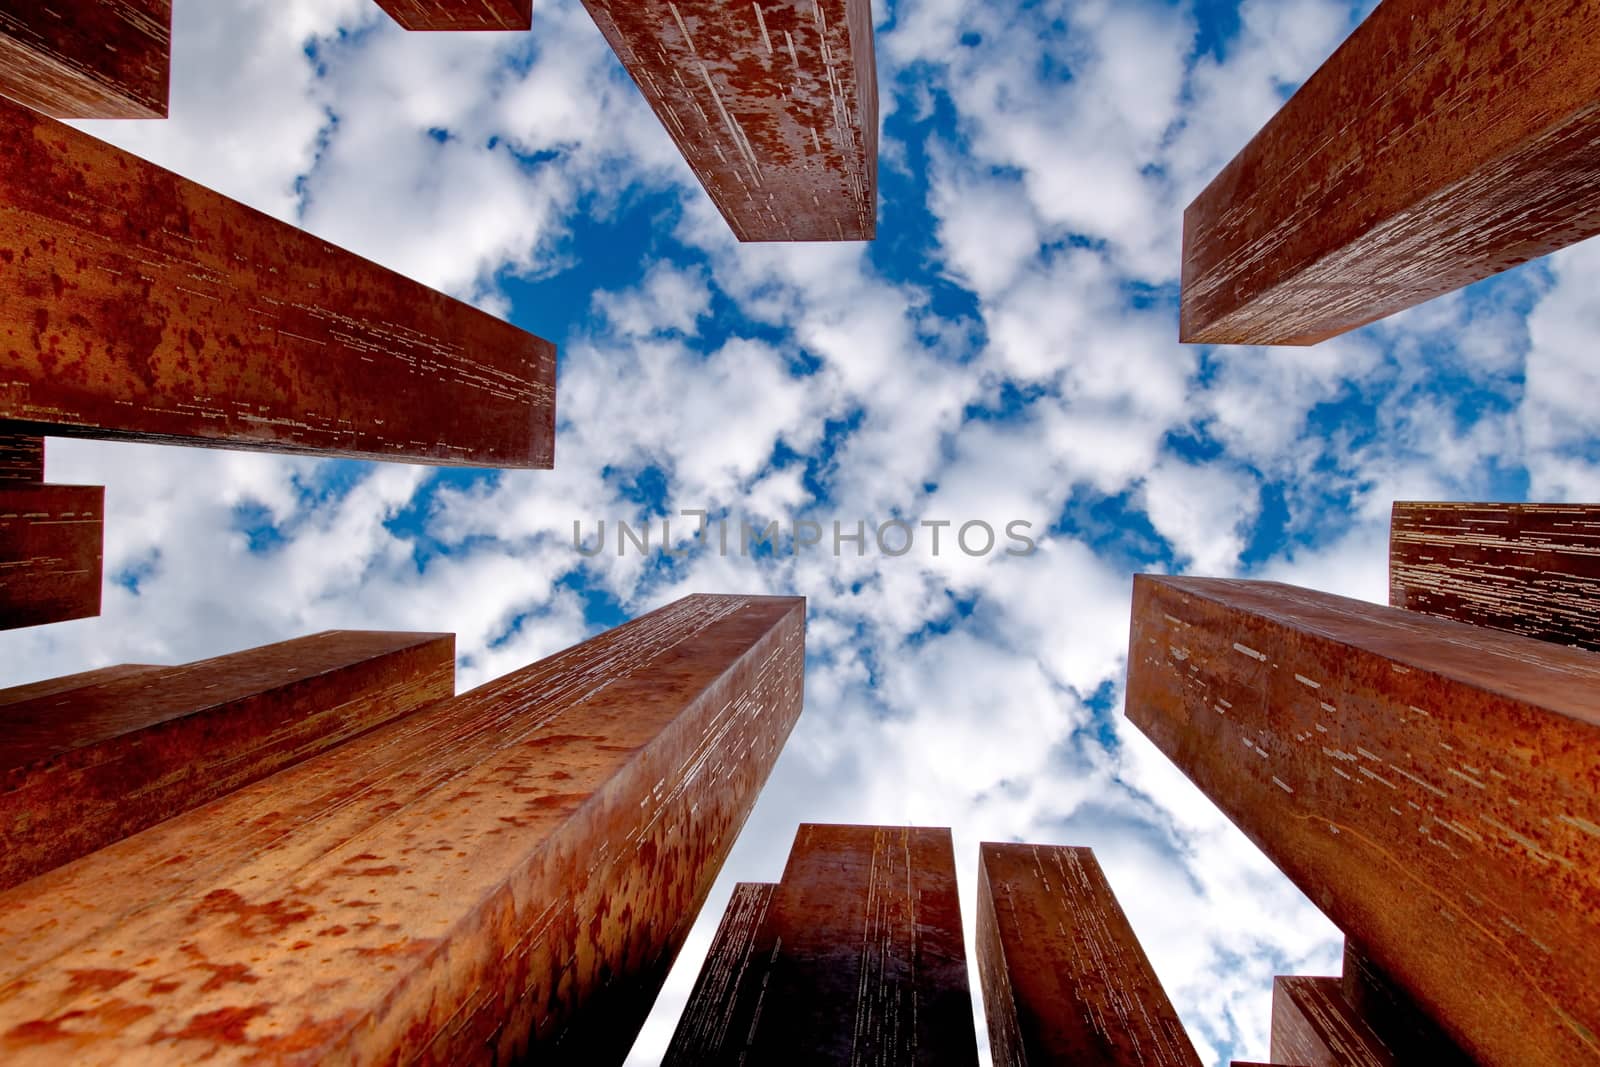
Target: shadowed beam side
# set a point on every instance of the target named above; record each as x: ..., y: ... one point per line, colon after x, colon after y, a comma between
x: 137, y: 305
x: 51, y: 541
x: 87, y: 59
x: 1313, y: 1025
x: 1433, y: 787
x: 704, y: 1028
x: 1065, y: 979
x: 857, y: 958
x: 1394, y: 1016
x: 504, y: 876
x: 774, y: 105
x: 1445, y: 141
x: 460, y: 14
x: 1531, y: 569
x: 21, y: 457
x: 122, y: 749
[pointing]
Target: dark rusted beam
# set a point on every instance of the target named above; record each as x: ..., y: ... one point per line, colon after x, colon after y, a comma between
x: 1312, y: 1024
x: 858, y: 958
x: 137, y: 305
x: 705, y: 1027
x: 21, y: 457
x: 1531, y: 569
x: 1433, y: 787
x: 505, y: 875
x: 1064, y: 977
x: 774, y: 105
x: 87, y: 59
x: 116, y: 753
x: 51, y: 539
x: 1394, y: 1016
x: 1445, y: 141
x: 21, y: 694
x: 460, y: 14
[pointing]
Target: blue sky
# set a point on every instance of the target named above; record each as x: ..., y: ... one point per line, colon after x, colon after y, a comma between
x: 1005, y: 352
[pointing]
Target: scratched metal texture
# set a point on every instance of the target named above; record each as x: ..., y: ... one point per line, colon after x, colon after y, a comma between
x: 1313, y: 1025
x: 137, y: 305
x: 1433, y: 787
x: 858, y: 959
x: 504, y: 876
x: 91, y: 764
x: 1394, y: 1016
x: 1065, y: 979
x: 18, y: 694
x: 1531, y: 569
x: 773, y: 103
x: 1442, y: 143
x: 87, y: 59
x: 21, y: 457
x: 51, y: 541
x: 705, y: 1027
x: 459, y: 15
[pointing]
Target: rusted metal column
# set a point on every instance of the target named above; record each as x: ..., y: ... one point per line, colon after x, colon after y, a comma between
x: 20, y: 694
x: 858, y: 958
x: 87, y: 59
x: 1433, y: 787
x: 116, y: 751
x: 1064, y: 977
x: 460, y: 14
x: 506, y: 874
x: 1531, y: 569
x: 21, y: 457
x: 1313, y: 1025
x: 774, y: 105
x: 1394, y: 1016
x: 51, y: 541
x: 137, y: 305
x: 1445, y: 141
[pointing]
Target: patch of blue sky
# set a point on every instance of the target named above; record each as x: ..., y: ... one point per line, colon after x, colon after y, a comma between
x: 1116, y: 528
x: 412, y: 523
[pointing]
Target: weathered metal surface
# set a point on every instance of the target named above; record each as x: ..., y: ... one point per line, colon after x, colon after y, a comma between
x: 1064, y: 977
x: 1312, y: 1024
x: 774, y: 105
x: 1433, y: 787
x: 137, y: 305
x: 1531, y: 569
x: 21, y: 457
x: 51, y: 540
x: 507, y: 874
x: 704, y: 1028
x: 460, y: 14
x: 1442, y: 143
x: 1394, y: 1016
x: 109, y: 756
x: 19, y: 694
x: 87, y: 59
x: 858, y: 959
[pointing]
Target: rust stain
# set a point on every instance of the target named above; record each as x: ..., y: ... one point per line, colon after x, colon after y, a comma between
x: 87, y: 59
x: 1442, y: 143
x: 773, y: 103
x: 1432, y: 795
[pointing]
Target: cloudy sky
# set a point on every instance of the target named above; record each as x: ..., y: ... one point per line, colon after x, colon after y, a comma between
x: 1005, y: 352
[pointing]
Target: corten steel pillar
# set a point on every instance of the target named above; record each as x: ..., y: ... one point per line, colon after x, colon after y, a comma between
x: 460, y: 14
x: 1445, y: 141
x: 87, y: 59
x: 1433, y: 787
x: 136, y: 305
x: 1394, y: 1016
x: 51, y: 541
x: 1313, y: 1025
x: 1065, y: 979
x: 504, y: 875
x: 774, y: 105
x: 1532, y: 569
x: 89, y: 760
x: 856, y: 956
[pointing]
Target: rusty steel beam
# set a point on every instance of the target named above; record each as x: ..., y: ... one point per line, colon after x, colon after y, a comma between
x: 137, y: 305
x: 1432, y: 786
x: 87, y: 59
x: 21, y: 457
x: 1444, y: 142
x: 21, y: 694
x: 1394, y: 1016
x: 1313, y: 1025
x: 51, y: 541
x: 1065, y: 979
x: 858, y: 958
x: 122, y: 749
x: 505, y: 875
x: 774, y: 105
x: 460, y: 14
x: 1531, y: 569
